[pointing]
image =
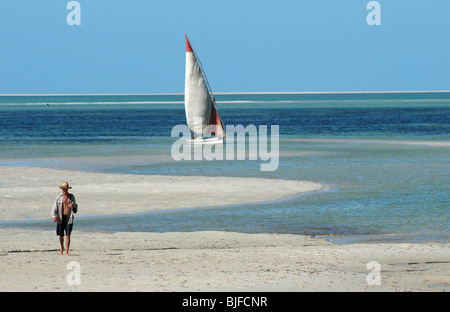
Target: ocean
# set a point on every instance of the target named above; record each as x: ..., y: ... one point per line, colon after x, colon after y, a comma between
x: 382, y: 158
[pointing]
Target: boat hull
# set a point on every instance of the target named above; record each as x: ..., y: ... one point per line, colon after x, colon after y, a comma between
x: 206, y: 141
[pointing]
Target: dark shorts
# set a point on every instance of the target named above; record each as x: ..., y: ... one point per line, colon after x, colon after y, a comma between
x: 64, y: 227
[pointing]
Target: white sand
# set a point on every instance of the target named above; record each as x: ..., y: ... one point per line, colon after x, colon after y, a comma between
x: 198, y: 261
x: 34, y: 191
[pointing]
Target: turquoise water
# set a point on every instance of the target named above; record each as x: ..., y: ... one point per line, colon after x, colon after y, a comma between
x: 383, y: 159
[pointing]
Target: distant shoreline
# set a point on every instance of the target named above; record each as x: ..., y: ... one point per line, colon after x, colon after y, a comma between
x: 232, y: 93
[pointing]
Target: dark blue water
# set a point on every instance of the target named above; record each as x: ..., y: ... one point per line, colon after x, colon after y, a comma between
x: 99, y: 123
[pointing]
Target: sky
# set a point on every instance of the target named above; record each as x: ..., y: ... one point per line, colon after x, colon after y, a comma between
x: 138, y: 46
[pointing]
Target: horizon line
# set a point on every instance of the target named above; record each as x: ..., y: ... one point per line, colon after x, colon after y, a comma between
x: 227, y: 93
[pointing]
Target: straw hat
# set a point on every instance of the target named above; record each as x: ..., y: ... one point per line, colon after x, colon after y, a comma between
x: 65, y: 185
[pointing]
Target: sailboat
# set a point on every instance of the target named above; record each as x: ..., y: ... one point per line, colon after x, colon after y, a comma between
x: 202, y: 115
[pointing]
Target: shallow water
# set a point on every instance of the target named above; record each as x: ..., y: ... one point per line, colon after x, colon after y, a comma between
x: 382, y: 159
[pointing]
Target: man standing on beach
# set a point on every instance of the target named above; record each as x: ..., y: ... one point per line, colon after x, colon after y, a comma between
x: 62, y: 213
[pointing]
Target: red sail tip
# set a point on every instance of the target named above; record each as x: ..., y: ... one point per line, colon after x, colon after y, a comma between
x: 188, y: 45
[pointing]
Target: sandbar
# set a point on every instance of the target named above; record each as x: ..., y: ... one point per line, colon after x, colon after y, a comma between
x: 191, y: 261
x: 29, y: 192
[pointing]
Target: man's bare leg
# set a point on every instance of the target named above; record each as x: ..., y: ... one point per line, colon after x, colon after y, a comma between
x: 61, y: 242
x: 67, y: 244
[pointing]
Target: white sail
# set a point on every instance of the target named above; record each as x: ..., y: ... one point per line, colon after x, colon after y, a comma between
x: 199, y: 104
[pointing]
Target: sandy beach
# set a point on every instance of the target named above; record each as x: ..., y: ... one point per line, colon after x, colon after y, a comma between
x: 194, y: 261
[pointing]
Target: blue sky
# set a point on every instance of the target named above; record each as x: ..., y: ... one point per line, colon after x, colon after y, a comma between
x: 245, y: 46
